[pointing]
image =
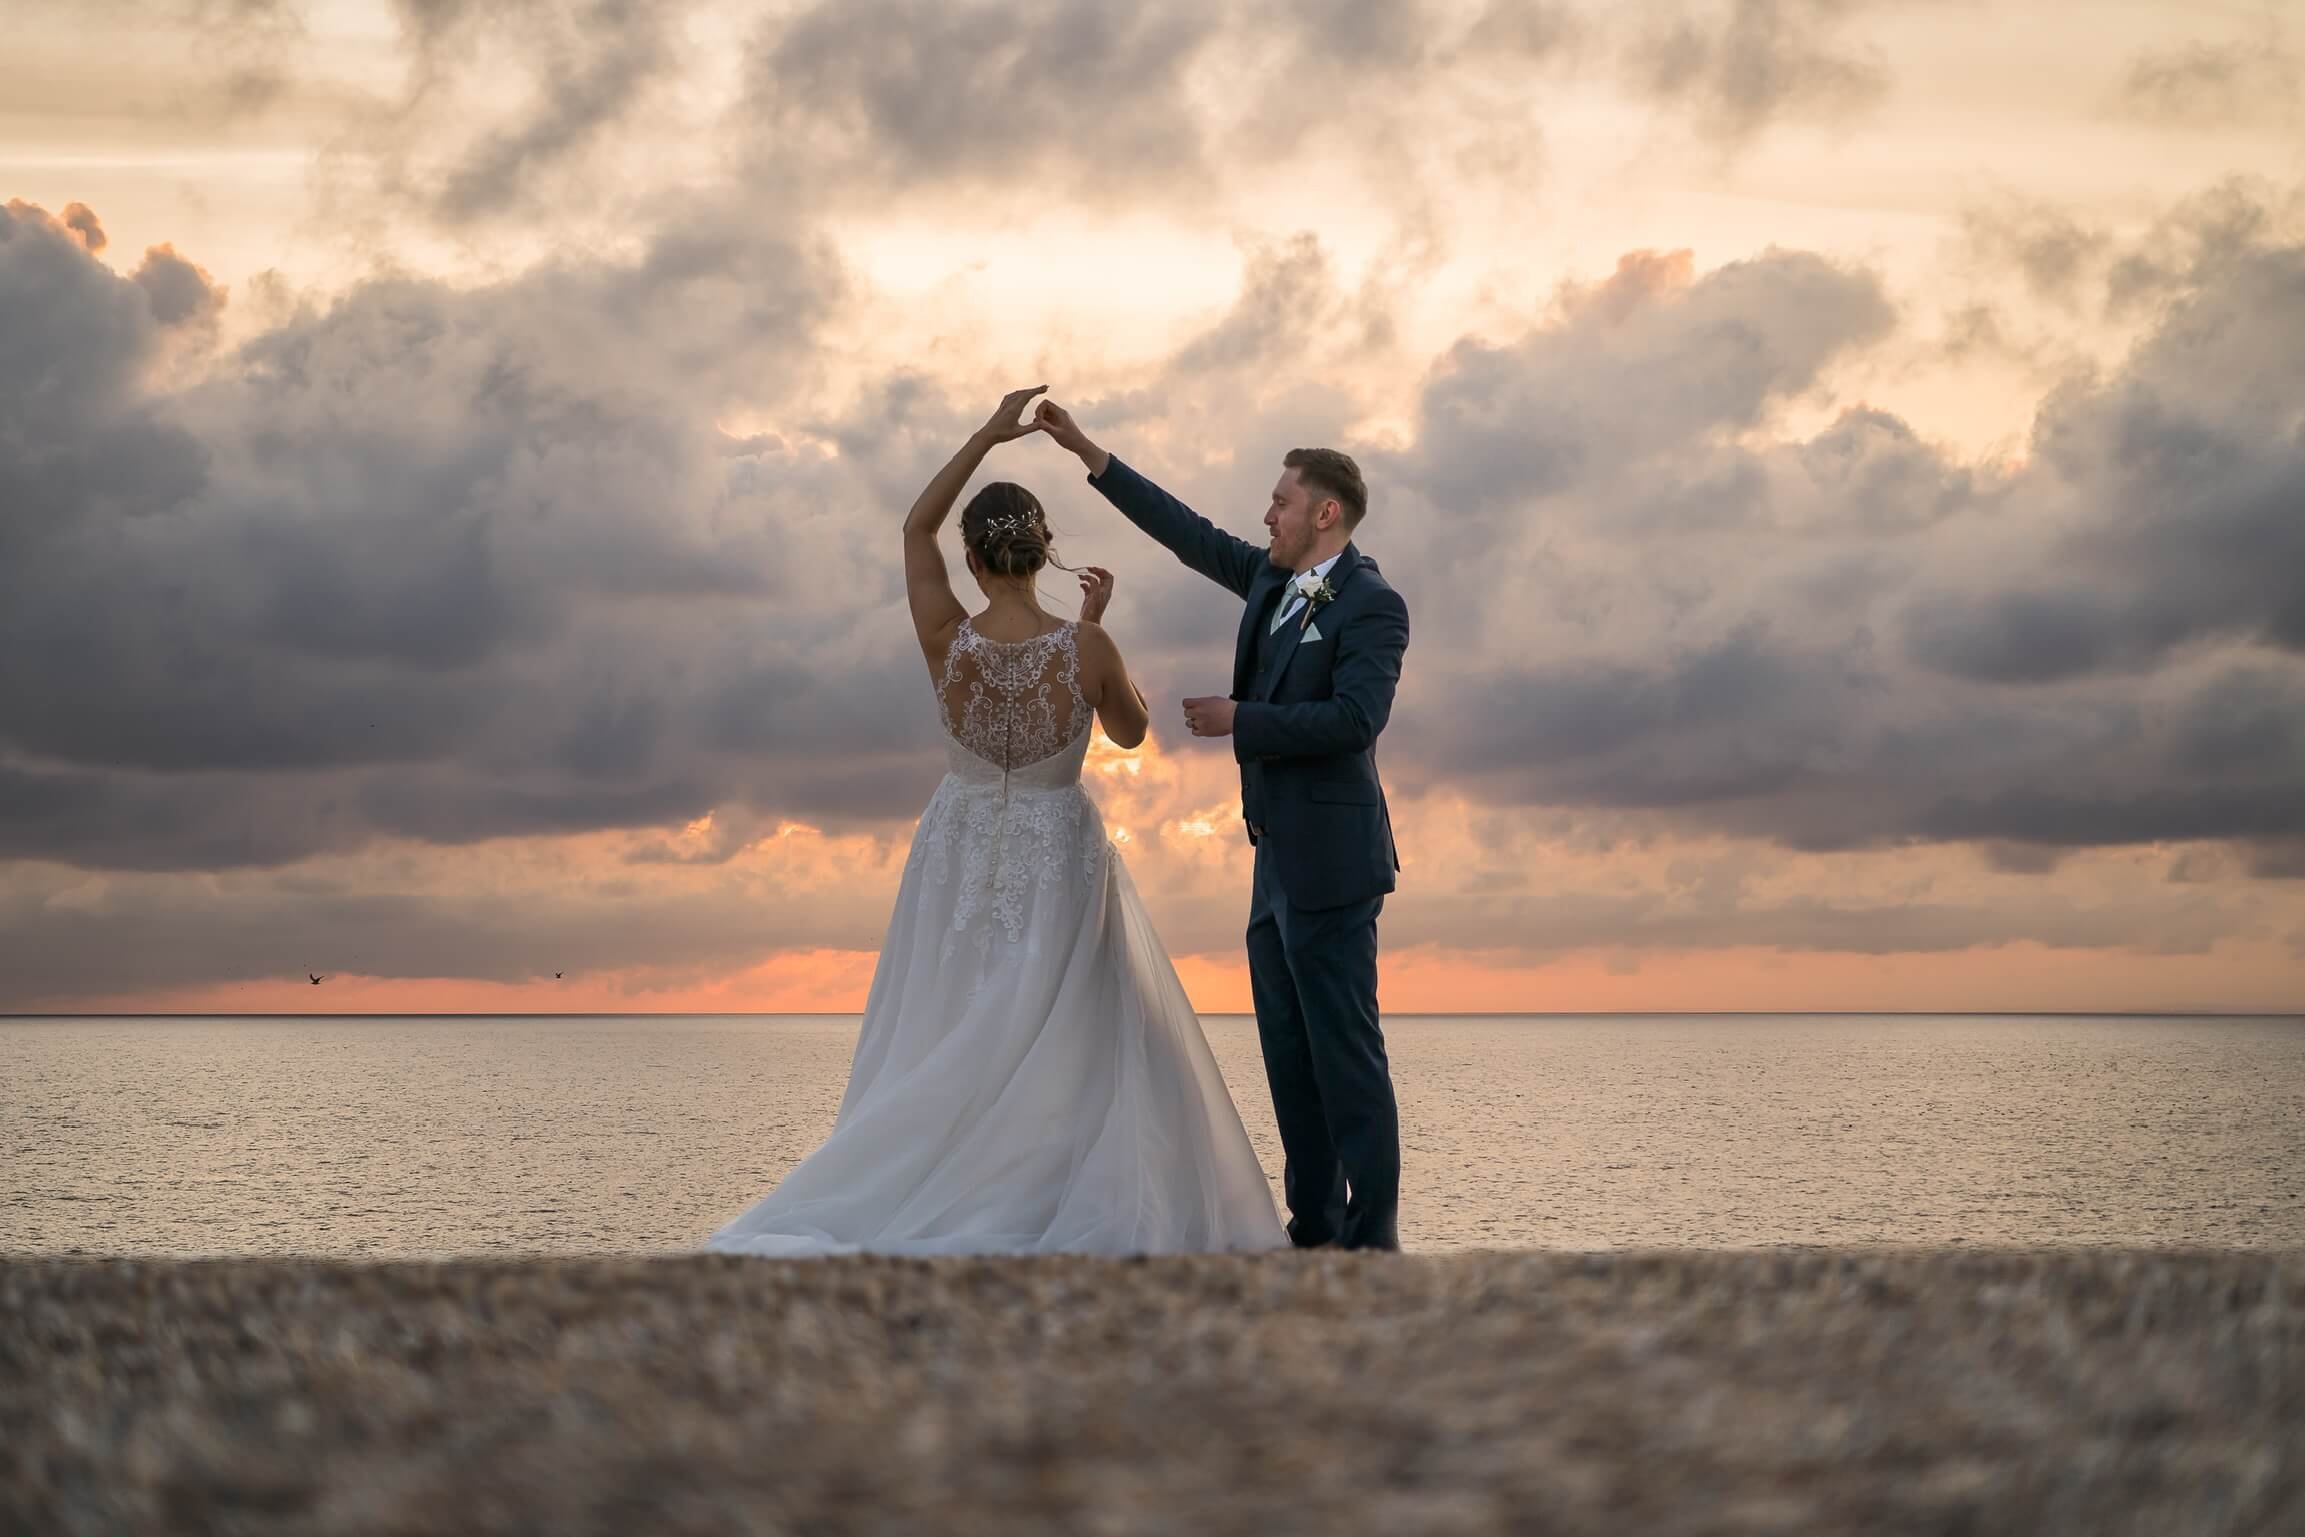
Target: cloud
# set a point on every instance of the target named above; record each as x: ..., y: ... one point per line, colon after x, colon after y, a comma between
x: 553, y: 122
x: 2171, y: 492
x: 591, y: 63
x: 411, y: 560
x: 2213, y: 85
x: 2053, y: 251
x: 1640, y: 594
x: 605, y: 541
x: 488, y: 127
x: 1650, y: 364
x: 1741, y: 65
x: 79, y: 433
x: 428, y: 570
x: 1200, y: 105
x: 1076, y: 97
x: 179, y: 291
x: 213, y: 64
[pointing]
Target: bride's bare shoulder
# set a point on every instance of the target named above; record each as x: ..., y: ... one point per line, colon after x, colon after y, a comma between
x: 1099, y: 652
x: 1091, y: 636
x: 937, y: 644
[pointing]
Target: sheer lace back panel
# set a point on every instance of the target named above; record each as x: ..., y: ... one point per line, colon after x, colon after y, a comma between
x: 1015, y: 707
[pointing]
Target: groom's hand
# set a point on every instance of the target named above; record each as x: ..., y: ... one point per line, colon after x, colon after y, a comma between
x: 1057, y: 422
x: 1210, y: 716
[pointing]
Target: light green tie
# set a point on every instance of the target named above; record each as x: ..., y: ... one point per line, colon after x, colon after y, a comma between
x: 1289, y: 596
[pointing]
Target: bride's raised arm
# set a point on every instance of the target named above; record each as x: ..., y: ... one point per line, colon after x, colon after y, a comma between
x: 927, y: 587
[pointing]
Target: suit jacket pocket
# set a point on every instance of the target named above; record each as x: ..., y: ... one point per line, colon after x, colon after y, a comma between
x: 1345, y: 792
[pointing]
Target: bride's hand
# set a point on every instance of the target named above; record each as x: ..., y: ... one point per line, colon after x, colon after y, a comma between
x: 1095, y: 592
x: 1003, y: 427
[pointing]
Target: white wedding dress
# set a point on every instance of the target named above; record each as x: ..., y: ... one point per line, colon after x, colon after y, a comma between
x: 1029, y: 1076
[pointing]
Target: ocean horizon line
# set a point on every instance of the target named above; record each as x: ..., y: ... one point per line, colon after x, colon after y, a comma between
x: 2297, y: 1014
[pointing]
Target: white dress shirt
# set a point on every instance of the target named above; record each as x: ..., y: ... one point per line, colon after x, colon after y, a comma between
x: 1293, y: 600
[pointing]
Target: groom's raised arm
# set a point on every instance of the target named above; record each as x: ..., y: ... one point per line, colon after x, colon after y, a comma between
x: 1230, y: 562
x: 1366, y: 672
x: 1226, y: 559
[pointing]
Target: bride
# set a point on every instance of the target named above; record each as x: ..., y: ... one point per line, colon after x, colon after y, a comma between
x: 1029, y: 1075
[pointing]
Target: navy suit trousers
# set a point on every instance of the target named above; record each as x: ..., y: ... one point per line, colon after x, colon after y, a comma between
x: 1313, y: 975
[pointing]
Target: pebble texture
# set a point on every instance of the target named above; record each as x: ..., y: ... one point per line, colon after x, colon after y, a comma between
x: 1886, y: 1392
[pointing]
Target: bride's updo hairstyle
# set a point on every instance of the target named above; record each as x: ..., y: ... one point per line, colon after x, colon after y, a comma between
x: 1004, y: 527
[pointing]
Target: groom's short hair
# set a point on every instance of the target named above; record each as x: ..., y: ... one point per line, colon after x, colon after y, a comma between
x: 1332, y: 473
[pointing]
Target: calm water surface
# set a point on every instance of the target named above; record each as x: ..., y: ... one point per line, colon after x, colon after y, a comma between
x: 438, y: 1135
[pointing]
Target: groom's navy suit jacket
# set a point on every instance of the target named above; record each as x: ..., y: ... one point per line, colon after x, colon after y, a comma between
x: 1306, y: 723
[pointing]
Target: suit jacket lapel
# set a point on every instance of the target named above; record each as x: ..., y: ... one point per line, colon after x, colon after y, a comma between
x: 1347, y: 563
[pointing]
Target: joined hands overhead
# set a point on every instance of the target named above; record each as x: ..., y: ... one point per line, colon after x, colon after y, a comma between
x: 1205, y: 716
x: 1002, y: 426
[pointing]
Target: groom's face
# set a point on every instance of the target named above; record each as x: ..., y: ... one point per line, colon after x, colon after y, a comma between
x: 1292, y: 521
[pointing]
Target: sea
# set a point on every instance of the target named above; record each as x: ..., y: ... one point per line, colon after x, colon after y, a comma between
x: 432, y: 1136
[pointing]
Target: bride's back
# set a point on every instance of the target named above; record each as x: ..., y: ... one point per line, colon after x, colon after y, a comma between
x: 1015, y: 707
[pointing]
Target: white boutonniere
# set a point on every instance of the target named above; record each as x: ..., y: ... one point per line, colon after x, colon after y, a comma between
x: 1315, y: 590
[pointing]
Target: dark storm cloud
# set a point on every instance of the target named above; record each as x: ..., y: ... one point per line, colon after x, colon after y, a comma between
x: 2029, y: 637
x: 1748, y: 719
x: 413, y: 561
x: 2057, y: 816
x: 1852, y: 639
x: 1629, y: 374
x: 427, y: 568
x: 78, y: 433
x: 2182, y: 487
x: 1540, y: 921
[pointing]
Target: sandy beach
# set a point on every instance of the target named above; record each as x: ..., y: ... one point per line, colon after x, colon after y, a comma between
x: 2082, y: 1391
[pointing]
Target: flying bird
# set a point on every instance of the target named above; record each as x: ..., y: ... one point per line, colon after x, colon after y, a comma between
x: 315, y: 980
x: 556, y: 973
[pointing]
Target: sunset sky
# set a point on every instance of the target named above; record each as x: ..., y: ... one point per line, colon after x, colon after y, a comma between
x: 1845, y: 461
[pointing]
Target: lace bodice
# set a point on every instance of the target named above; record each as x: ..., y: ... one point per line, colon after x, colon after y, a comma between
x: 1011, y: 818
x: 1013, y: 709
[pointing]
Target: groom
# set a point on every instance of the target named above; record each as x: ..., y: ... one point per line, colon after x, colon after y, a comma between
x: 1314, y: 669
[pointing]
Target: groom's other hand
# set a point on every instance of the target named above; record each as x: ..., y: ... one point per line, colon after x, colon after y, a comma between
x: 1209, y: 716
x: 1057, y: 422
